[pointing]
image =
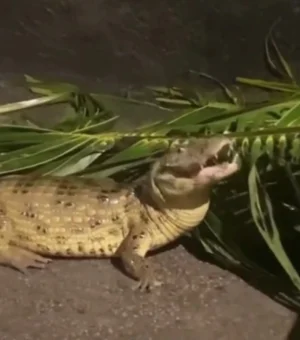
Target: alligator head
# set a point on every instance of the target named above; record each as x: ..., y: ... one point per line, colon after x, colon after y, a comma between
x: 185, y: 175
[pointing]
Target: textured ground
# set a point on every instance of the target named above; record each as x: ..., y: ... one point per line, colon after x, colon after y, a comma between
x: 93, y: 300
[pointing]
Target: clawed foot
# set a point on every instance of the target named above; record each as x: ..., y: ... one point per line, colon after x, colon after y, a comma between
x: 146, y: 285
x: 139, y: 268
x: 22, y: 259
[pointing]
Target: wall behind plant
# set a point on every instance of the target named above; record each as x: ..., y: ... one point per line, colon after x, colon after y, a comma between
x: 143, y: 41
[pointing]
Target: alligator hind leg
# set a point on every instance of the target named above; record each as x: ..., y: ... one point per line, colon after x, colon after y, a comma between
x: 12, y: 255
x: 20, y: 259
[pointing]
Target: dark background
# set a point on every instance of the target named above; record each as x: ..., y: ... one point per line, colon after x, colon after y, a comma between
x: 141, y: 42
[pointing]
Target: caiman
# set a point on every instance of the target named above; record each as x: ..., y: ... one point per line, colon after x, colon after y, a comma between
x: 46, y: 217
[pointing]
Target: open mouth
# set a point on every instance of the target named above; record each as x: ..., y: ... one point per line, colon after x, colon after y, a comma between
x: 224, y: 155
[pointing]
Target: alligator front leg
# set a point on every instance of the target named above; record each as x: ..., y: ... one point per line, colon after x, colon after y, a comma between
x: 132, y: 253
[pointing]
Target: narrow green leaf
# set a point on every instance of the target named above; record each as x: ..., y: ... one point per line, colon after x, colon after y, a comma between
x: 99, y: 127
x: 19, y: 138
x: 74, y: 164
x: 78, y: 162
x: 283, y: 63
x: 25, y: 104
x: 289, y: 116
x: 33, y: 156
x: 269, y: 231
x: 270, y: 85
x: 181, y: 102
x: 197, y: 116
x: 76, y: 167
x: 69, y: 162
x: 114, y: 103
x: 21, y: 128
x: 230, y: 95
x: 143, y: 148
x: 49, y: 88
x: 171, y: 91
x: 229, y: 249
x: 256, y: 149
x: 268, y: 52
